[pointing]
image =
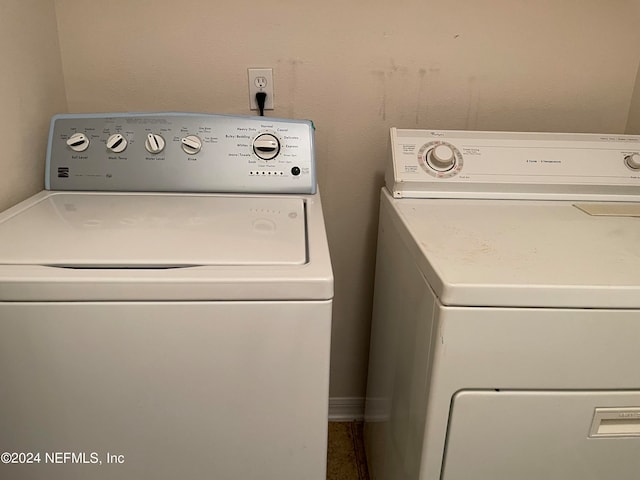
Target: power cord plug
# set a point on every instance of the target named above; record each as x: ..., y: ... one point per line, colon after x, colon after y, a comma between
x: 261, y: 97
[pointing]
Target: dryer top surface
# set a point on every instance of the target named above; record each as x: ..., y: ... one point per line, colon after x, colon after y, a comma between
x: 523, y: 253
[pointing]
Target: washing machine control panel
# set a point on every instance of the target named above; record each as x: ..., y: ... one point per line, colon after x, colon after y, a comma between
x: 180, y: 152
x: 466, y: 164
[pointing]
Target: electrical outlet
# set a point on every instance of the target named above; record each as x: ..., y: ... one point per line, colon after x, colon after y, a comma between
x: 261, y: 80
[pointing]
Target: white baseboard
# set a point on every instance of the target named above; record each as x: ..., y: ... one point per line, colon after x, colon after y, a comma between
x: 346, y: 409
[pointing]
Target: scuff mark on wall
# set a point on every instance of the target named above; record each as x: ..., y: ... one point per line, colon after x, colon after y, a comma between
x: 398, y: 68
x: 422, y: 86
x: 428, y: 79
x: 393, y: 81
x: 293, y: 85
x: 473, y: 103
x: 382, y: 81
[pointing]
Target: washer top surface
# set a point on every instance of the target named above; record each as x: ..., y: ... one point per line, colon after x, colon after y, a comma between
x: 97, y: 246
x: 98, y: 230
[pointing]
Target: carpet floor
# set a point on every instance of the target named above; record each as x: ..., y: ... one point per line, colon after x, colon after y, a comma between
x: 346, y: 457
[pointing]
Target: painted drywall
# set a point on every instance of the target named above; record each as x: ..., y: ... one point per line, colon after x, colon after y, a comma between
x: 356, y: 68
x: 31, y: 91
x: 633, y: 120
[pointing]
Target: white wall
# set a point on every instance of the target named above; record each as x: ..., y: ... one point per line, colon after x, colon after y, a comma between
x: 31, y: 90
x: 355, y: 68
x: 633, y: 121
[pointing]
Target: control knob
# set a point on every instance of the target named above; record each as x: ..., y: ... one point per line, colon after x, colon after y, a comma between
x: 266, y: 146
x: 78, y: 142
x: 116, y: 143
x: 154, y: 143
x: 191, y: 144
x: 441, y: 158
x: 632, y: 161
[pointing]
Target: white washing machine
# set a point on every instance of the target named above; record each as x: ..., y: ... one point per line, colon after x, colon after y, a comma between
x: 506, y: 330
x: 150, y: 329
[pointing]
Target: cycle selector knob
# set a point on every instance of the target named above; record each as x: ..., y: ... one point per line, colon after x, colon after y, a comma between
x: 154, y: 143
x: 78, y: 142
x: 116, y: 143
x: 266, y: 146
x: 191, y: 144
x: 632, y: 161
x: 441, y: 158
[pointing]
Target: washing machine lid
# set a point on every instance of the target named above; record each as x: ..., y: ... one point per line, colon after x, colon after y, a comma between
x: 132, y: 230
x: 521, y: 253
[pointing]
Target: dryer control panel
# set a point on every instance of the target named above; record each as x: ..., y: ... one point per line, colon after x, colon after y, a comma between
x: 467, y: 164
x: 180, y: 152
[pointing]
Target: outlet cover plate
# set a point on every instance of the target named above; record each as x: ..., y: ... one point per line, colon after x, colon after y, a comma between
x: 261, y: 80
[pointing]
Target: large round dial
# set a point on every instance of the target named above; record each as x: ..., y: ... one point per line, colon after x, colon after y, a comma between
x: 78, y: 142
x: 632, y: 161
x: 191, y: 144
x: 440, y: 159
x: 116, y: 143
x: 154, y: 143
x: 266, y: 146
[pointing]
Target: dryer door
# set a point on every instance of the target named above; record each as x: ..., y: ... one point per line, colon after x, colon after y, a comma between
x: 551, y: 435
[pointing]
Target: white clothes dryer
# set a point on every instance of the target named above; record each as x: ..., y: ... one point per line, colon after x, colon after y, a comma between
x: 506, y: 326
x: 165, y: 305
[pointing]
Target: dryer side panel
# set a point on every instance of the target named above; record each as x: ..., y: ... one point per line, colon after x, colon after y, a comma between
x: 400, y: 359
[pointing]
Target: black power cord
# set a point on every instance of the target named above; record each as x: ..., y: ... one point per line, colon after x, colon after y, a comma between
x: 261, y: 97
